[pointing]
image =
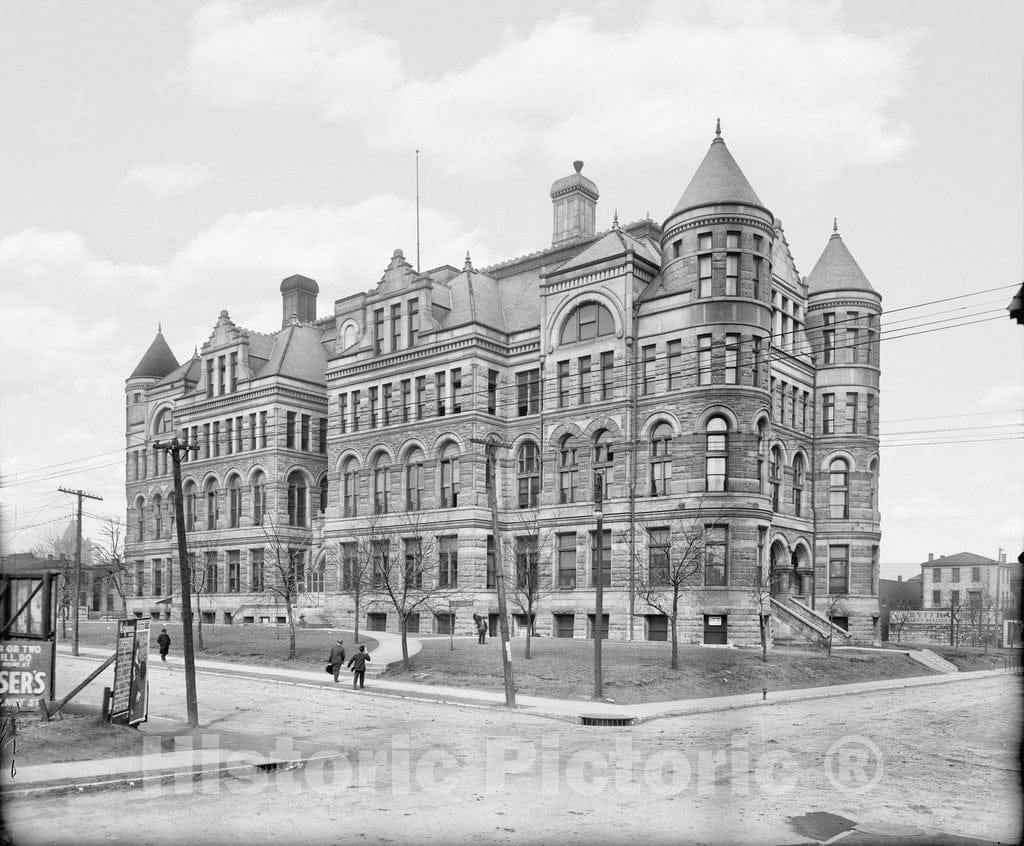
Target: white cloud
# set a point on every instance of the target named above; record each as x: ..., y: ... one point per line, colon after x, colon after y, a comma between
x: 168, y: 179
x: 1003, y: 397
x: 812, y: 92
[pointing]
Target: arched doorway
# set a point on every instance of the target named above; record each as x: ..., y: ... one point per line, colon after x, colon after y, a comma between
x: 801, y: 569
x: 779, y: 569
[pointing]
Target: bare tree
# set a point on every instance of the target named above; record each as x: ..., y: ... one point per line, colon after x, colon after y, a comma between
x: 118, y: 574
x: 836, y: 608
x: 54, y: 547
x: 989, y: 614
x: 356, y: 575
x: 899, y: 617
x: 284, y: 568
x: 533, y: 582
x: 408, y: 567
x: 681, y: 557
x: 761, y: 593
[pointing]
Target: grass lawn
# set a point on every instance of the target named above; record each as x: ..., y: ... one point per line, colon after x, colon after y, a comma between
x: 639, y: 671
x: 260, y: 645
x: 69, y: 737
x: 969, y: 658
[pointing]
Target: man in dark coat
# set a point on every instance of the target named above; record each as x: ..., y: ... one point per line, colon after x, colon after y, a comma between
x: 164, y: 642
x: 358, y: 665
x: 337, y: 658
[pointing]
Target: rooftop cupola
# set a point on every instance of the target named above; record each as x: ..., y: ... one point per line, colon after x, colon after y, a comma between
x: 574, y: 199
x: 158, y: 360
x: 298, y: 300
x: 837, y: 270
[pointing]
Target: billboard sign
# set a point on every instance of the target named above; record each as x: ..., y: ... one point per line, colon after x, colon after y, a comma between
x: 130, y: 697
x: 26, y: 673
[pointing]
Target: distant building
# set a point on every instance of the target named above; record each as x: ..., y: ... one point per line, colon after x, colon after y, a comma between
x: 686, y: 364
x: 897, y: 595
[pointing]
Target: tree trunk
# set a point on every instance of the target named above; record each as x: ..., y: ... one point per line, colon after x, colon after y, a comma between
x: 529, y: 627
x: 405, y: 644
x: 673, y: 623
x: 764, y: 634
x: 355, y: 601
x: 291, y: 632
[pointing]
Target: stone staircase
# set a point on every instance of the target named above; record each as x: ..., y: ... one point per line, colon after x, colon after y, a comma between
x: 796, y: 623
x: 932, y: 661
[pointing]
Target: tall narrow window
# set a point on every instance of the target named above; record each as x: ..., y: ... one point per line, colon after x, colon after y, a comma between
x: 716, y: 556
x: 799, y: 478
x: 263, y: 430
x: 380, y: 563
x: 527, y: 564
x: 803, y: 411
x: 211, y: 582
x: 716, y: 458
x: 584, y: 371
x: 414, y: 563
x: 838, y: 569
x: 456, y: 389
x: 233, y: 372
x: 704, y: 359
x: 421, y: 397
x: 528, y: 392
x: 209, y: 377
x: 838, y: 489
x: 221, y: 373
x: 259, y: 497
x: 449, y: 477
x: 234, y: 502
x: 732, y: 274
x: 528, y: 474
x: 870, y: 424
x: 406, y: 400
x: 350, y: 489
x: 647, y: 381
x: 851, y: 413
x: 828, y: 340
x: 297, y: 500
x: 873, y: 474
x: 396, y: 326
x: 872, y: 345
x: 448, y: 565
x: 354, y: 419
x: 256, y: 562
x: 658, y: 551
x: 828, y: 414
x: 289, y: 431
x: 216, y: 438
x: 385, y: 404
x: 229, y: 436
x: 661, y: 460
x: 323, y: 494
x: 373, y: 407
x: 321, y: 435
x: 604, y: 463
x: 673, y: 362
x: 234, y: 571
x: 792, y: 407
x: 853, y: 344
x: 190, y: 507
x: 704, y: 265
x: 607, y: 375
x: 304, y: 432
x: 775, y: 475
x: 414, y: 322
x: 567, y: 561
x: 563, y: 383
x: 439, y: 391
x: 492, y: 391
x: 378, y: 331
x: 381, y: 484
x: 492, y: 565
x: 568, y: 470
x: 414, y: 480
x: 212, y: 505
x: 732, y: 359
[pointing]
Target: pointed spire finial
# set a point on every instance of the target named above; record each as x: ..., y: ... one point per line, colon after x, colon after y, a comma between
x: 615, y: 220
x: 469, y: 262
x: 835, y: 225
x: 159, y: 328
x: 195, y: 351
x: 718, y: 128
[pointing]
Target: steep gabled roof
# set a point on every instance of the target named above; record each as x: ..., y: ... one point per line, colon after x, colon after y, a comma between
x: 837, y: 270
x: 718, y: 180
x: 157, y: 362
x: 475, y: 299
x: 190, y: 371
x: 615, y: 242
x: 298, y: 354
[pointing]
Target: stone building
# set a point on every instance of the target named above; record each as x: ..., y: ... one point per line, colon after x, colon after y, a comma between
x: 713, y: 393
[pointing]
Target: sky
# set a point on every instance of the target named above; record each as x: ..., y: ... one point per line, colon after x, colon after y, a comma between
x: 163, y: 161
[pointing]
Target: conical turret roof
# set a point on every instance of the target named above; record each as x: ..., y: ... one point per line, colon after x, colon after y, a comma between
x: 157, y: 362
x: 718, y: 180
x: 837, y: 269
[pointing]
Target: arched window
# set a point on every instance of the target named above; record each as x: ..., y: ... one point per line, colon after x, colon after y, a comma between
x: 587, y: 321
x: 259, y: 497
x: 661, y: 460
x: 604, y: 463
x: 212, y: 505
x: 348, y: 336
x: 323, y: 495
x: 414, y: 480
x: 873, y: 473
x: 799, y: 478
x: 762, y: 446
x: 162, y: 422
x: 716, y: 461
x: 297, y: 499
x: 449, y: 467
x: 140, y: 517
x: 568, y: 469
x: 350, y: 488
x: 528, y: 474
x: 775, y: 475
x: 838, y: 489
x: 190, y: 506
x: 381, y: 484
x: 158, y: 516
x: 234, y: 502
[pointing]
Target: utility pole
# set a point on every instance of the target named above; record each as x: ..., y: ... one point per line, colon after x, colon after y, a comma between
x: 77, y: 582
x: 185, y: 569
x: 599, y: 594
x: 492, y: 498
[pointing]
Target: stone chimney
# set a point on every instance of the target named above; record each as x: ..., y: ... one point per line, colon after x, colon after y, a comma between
x: 1002, y: 556
x: 298, y: 300
x: 931, y: 556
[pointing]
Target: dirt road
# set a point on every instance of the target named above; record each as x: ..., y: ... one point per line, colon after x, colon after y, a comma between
x: 944, y: 758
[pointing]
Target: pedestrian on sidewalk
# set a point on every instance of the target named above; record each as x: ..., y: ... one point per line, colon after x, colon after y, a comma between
x: 358, y: 665
x: 164, y: 642
x: 337, y: 658
x: 481, y: 628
